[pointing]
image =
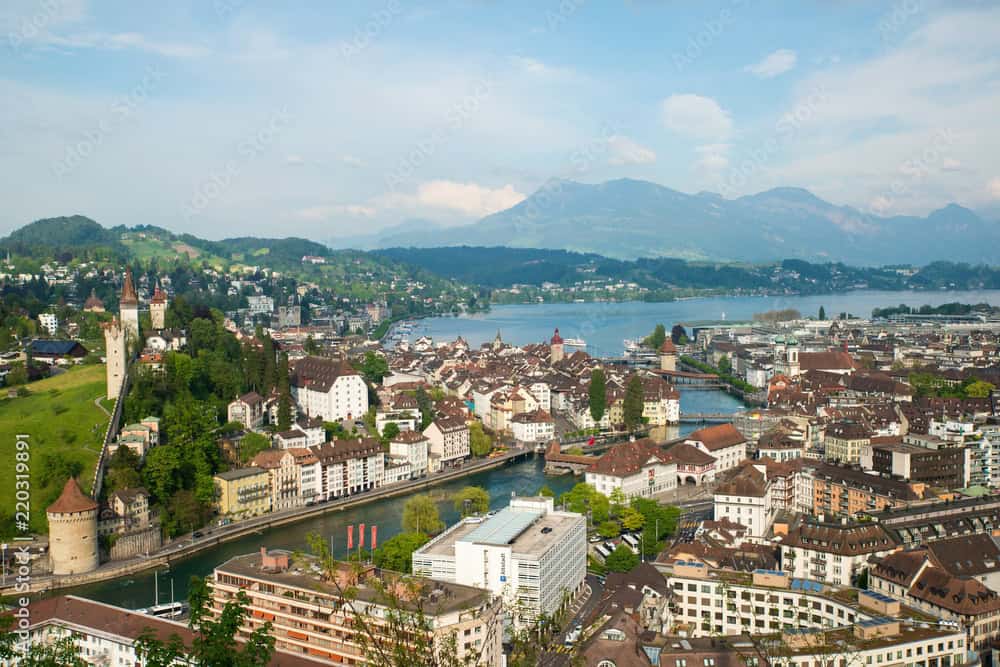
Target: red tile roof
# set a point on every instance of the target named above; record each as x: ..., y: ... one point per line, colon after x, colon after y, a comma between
x: 717, y: 437
x: 72, y: 499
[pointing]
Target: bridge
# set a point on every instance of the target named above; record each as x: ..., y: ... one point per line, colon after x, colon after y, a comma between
x: 690, y: 380
x: 706, y: 417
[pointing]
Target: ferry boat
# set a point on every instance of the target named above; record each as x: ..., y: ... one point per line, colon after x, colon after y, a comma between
x: 636, y: 352
x: 166, y: 610
x: 574, y: 342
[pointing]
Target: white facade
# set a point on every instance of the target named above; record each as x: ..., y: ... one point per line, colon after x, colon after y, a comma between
x: 346, y: 398
x: 530, y: 428
x: 49, y: 322
x: 530, y: 554
x: 260, y: 305
x: 414, y: 451
x: 449, y: 439
x: 653, y: 478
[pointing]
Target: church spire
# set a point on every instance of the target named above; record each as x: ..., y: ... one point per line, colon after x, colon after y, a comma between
x: 128, y: 290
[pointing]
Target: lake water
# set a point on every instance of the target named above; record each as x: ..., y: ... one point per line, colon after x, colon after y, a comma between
x: 604, y: 326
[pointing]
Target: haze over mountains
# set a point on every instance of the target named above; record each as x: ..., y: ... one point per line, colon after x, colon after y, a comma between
x: 629, y: 218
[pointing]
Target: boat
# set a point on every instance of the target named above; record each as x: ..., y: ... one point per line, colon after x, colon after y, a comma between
x: 574, y: 342
x: 166, y: 610
x: 636, y: 352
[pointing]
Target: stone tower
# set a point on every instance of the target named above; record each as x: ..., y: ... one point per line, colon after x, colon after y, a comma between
x: 73, y: 531
x: 115, y: 344
x: 556, y: 348
x: 129, y: 306
x: 668, y: 356
x: 158, y: 309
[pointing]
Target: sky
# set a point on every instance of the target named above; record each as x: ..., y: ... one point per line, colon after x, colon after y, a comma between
x: 330, y: 120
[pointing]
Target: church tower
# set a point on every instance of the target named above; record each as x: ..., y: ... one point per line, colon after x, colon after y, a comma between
x: 115, y: 342
x: 792, y: 352
x: 158, y: 309
x: 129, y: 306
x: 556, y: 348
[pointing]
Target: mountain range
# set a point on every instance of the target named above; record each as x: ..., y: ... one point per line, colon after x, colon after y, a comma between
x: 628, y: 218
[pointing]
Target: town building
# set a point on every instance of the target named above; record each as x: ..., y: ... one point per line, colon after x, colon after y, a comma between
x: 248, y: 410
x: 943, y: 467
x: 324, y: 615
x: 745, y: 499
x: 529, y: 554
x: 844, y: 441
x: 834, y: 553
x: 49, y: 323
x: 242, y: 493
x: 536, y: 426
x: 726, y: 444
x: 448, y: 439
x: 284, y: 476
x: 93, y: 304
x: 640, y: 468
x: 349, y: 466
x: 411, y: 447
x: 329, y: 389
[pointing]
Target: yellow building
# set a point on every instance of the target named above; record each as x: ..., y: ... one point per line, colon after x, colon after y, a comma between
x: 243, y: 492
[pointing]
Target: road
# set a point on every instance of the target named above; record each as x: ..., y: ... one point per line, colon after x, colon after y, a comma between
x: 559, y: 653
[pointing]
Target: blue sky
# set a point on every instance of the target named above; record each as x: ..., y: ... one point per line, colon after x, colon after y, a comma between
x: 229, y: 117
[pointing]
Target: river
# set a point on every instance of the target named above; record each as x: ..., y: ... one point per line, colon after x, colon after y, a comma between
x: 604, y: 326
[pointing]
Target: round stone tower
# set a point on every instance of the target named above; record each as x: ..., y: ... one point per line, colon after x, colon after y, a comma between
x: 73, y: 531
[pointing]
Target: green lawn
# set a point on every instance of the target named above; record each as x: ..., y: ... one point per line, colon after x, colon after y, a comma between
x: 59, y: 416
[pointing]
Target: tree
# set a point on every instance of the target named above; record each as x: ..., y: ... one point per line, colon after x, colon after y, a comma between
x: 471, y: 500
x: 480, y: 443
x: 214, y: 643
x: 374, y: 367
x: 583, y: 498
x: 656, y: 339
x: 979, y: 389
x: 678, y: 335
x: 310, y: 346
x: 617, y: 501
x: 598, y: 394
x: 609, y: 529
x: 621, y: 559
x: 396, y: 553
x: 62, y: 652
x: 122, y: 471
x: 426, y: 407
x: 724, y: 365
x: 822, y: 313
x: 634, y: 403
x: 253, y: 444
x: 420, y: 515
x: 284, y: 394
x: 546, y: 492
x: 632, y: 519
x: 390, y: 431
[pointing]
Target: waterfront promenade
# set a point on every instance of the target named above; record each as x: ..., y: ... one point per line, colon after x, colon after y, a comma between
x: 187, y: 545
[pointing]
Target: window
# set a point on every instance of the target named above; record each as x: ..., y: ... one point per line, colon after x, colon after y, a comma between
x: 606, y: 663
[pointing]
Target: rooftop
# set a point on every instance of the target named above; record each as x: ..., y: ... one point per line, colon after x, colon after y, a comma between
x: 530, y: 533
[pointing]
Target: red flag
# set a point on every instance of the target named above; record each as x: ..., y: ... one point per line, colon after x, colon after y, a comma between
x: 374, y: 537
x: 361, y: 536
x: 350, y: 537
x: 591, y: 441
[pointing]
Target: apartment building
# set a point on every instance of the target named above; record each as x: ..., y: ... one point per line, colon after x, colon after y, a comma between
x: 349, y: 466
x: 724, y: 442
x: 243, y: 492
x: 834, y: 553
x: 329, y: 389
x: 449, y: 439
x: 640, y: 468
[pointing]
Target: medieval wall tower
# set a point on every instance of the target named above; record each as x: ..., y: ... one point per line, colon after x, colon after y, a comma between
x: 129, y: 307
x: 158, y: 309
x: 115, y: 344
x: 73, y: 547
x: 556, y: 351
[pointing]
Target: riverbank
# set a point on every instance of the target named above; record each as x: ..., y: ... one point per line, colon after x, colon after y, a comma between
x: 185, y: 548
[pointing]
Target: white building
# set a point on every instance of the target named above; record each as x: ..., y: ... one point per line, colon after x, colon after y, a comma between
x: 349, y: 466
x: 639, y: 468
x: 528, y: 553
x: 329, y: 389
x: 259, y: 304
x: 449, y: 439
x: 834, y: 553
x: 410, y: 446
x: 746, y: 499
x: 49, y: 322
x: 310, y: 473
x: 724, y: 442
x: 536, y: 426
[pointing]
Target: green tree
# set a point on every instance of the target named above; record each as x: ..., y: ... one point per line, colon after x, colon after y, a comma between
x: 396, y: 553
x: 822, y: 313
x: 122, y: 471
x: 471, y: 500
x: 480, y: 443
x: 678, y: 334
x: 583, y: 498
x: 426, y: 407
x: 621, y: 559
x: 634, y: 403
x: 979, y: 389
x: 374, y: 367
x: 215, y: 640
x: 62, y: 652
x: 284, y: 394
x: 609, y: 529
x: 632, y: 519
x: 617, y: 501
x: 253, y: 444
x: 656, y: 339
x: 420, y: 515
x: 598, y: 395
x: 390, y: 431
x: 724, y: 365
x: 546, y: 492
x: 310, y: 346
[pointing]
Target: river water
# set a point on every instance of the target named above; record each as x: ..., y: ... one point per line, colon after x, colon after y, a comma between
x: 604, y: 326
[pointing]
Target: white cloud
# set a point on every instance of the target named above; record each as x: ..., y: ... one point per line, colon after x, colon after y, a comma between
x: 623, y: 150
x: 352, y: 161
x: 697, y: 116
x: 713, y: 157
x: 994, y: 188
x: 470, y: 199
x: 773, y: 64
x: 119, y: 42
x: 536, y: 67
x: 323, y: 213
